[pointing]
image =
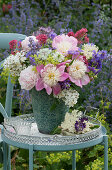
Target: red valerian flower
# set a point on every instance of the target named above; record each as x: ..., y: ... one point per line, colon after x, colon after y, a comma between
x: 6, y: 7
x: 42, y: 38
x: 71, y: 34
x: 13, y: 44
x: 81, y: 36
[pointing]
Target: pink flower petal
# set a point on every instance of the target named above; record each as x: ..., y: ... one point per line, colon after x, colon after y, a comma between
x: 64, y: 76
x: 61, y: 69
x: 77, y: 82
x: 39, y: 84
x: 48, y: 89
x: 40, y: 67
x: 47, y: 66
x: 63, y: 63
x: 56, y: 89
x: 85, y: 80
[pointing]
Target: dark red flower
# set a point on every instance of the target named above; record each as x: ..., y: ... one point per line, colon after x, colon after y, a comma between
x: 42, y: 38
x: 6, y: 7
x: 71, y: 34
x: 85, y: 60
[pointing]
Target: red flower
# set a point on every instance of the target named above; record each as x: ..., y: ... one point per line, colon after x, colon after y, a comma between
x: 6, y: 7
x: 42, y: 38
x: 85, y: 60
x: 86, y: 39
x: 71, y: 34
x: 81, y: 36
x: 13, y: 44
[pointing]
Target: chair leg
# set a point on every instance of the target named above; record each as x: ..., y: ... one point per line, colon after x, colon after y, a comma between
x: 30, y: 157
x: 9, y: 158
x: 4, y: 156
x: 73, y: 160
x: 105, y: 152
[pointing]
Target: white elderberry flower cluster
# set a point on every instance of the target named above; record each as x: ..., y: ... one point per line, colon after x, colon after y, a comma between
x: 88, y: 125
x: 88, y: 50
x: 69, y: 96
x: 15, y: 63
x: 70, y: 119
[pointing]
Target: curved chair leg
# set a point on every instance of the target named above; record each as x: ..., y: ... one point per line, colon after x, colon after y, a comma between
x: 74, y: 160
x: 30, y: 157
x: 105, y: 152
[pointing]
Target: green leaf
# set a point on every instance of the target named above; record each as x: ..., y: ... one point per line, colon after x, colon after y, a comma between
x: 57, y: 130
x: 94, y: 127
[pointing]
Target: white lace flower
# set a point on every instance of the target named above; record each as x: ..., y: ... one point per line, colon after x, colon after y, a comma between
x: 88, y: 50
x: 57, y: 56
x: 87, y: 128
x: 15, y: 63
x: 44, y: 53
x: 69, y: 96
x: 70, y: 119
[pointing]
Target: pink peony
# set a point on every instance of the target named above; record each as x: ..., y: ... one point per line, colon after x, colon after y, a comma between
x: 63, y: 43
x: 28, y: 78
x: 50, y: 76
x: 25, y: 43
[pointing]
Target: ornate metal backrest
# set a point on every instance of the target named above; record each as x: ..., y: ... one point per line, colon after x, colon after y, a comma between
x: 5, y: 38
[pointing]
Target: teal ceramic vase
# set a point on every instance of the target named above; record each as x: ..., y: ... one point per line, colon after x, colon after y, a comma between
x: 48, y: 113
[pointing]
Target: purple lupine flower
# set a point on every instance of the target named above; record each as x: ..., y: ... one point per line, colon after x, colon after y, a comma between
x: 65, y: 84
x: 95, y: 64
x: 80, y: 124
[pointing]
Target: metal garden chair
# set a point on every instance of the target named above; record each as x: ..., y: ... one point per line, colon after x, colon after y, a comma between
x: 5, y: 38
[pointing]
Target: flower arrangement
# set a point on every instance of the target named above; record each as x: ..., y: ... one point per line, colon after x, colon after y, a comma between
x: 56, y: 63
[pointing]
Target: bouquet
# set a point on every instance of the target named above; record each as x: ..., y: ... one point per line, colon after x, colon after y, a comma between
x: 56, y: 63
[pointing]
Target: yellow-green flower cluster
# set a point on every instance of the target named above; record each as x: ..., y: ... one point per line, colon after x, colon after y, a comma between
x: 46, y: 56
x: 64, y: 156
x: 96, y: 165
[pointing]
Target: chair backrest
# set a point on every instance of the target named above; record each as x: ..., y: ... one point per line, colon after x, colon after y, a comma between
x: 5, y: 38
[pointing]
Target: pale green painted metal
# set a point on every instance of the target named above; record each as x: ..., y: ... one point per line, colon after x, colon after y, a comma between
x: 5, y: 38
x: 30, y: 157
x: 103, y: 140
x: 74, y: 160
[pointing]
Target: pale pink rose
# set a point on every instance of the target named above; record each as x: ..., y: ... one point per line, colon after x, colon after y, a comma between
x: 63, y: 43
x: 25, y: 43
x: 28, y: 78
